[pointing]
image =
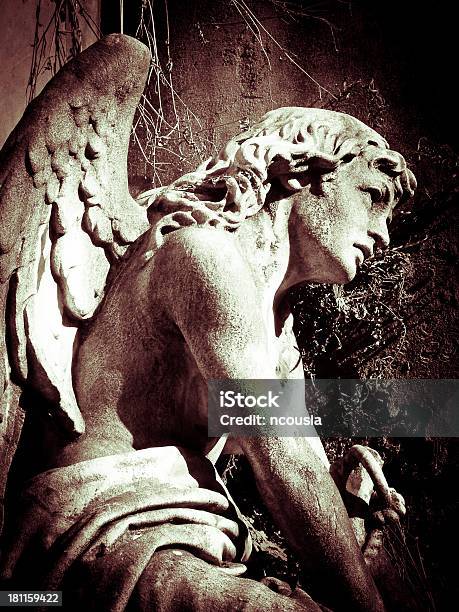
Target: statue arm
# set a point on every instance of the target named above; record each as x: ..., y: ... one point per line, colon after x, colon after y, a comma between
x: 305, y: 503
x: 221, y: 321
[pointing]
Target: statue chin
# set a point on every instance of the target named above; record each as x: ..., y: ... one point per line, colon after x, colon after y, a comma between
x: 344, y: 268
x: 347, y: 275
x: 340, y: 273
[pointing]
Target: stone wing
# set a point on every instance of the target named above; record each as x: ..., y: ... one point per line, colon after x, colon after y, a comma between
x: 66, y: 216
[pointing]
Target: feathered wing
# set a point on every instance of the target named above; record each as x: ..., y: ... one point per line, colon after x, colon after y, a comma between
x: 65, y: 216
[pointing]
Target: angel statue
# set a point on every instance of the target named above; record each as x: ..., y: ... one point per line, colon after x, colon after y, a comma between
x: 115, y: 314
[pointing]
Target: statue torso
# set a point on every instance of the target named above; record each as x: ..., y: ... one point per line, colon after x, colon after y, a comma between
x: 136, y: 380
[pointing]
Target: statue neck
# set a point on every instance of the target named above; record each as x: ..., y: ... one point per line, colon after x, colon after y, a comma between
x: 264, y: 243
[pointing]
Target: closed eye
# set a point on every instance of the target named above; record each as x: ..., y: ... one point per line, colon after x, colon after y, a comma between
x: 379, y: 201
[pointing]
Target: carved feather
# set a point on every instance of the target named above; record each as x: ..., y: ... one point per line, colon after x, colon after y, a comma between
x: 65, y: 217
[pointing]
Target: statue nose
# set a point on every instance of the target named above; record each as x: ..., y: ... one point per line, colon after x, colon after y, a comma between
x: 380, y: 234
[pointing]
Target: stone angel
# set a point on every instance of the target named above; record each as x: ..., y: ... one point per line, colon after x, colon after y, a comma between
x: 115, y: 314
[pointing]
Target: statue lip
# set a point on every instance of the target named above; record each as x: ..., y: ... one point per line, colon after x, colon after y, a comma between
x: 366, y: 250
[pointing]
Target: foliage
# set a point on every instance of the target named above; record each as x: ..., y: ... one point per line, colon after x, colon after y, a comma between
x: 59, y: 40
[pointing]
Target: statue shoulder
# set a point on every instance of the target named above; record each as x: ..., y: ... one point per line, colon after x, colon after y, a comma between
x: 206, y: 283
x: 207, y: 253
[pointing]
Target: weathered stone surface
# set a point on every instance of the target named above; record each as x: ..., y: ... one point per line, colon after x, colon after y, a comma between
x: 218, y: 260
x: 39, y: 171
x: 305, y: 195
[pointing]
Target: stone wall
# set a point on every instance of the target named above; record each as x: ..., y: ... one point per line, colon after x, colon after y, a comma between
x: 17, y: 36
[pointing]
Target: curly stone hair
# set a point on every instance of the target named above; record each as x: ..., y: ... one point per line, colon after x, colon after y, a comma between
x: 286, y: 143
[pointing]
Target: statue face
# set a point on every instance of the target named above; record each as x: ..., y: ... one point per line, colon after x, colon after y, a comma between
x: 336, y: 222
